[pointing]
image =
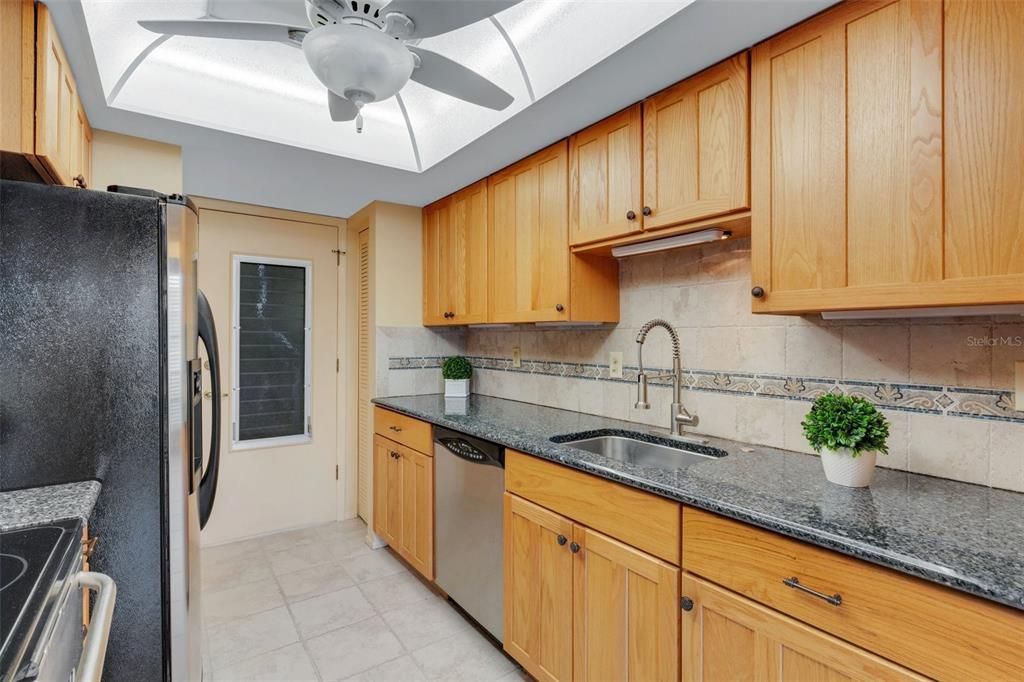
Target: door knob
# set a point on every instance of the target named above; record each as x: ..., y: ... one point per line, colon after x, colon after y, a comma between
x: 559, y: 307
x: 686, y: 603
x: 757, y: 292
x: 562, y: 539
x: 575, y: 547
x: 647, y: 210
x: 630, y: 215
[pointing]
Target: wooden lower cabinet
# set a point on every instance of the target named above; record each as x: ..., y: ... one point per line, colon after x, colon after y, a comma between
x: 626, y: 612
x: 582, y: 606
x: 728, y: 638
x: 538, y: 589
x: 403, y: 502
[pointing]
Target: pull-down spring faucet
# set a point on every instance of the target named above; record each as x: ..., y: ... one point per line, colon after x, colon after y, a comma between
x: 679, y: 416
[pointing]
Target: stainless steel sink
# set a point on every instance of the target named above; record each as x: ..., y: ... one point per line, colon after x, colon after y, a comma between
x: 642, y: 451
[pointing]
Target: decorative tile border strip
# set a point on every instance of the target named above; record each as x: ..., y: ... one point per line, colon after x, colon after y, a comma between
x: 954, y: 401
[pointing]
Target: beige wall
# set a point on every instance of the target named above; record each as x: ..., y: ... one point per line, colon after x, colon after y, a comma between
x: 397, y: 248
x: 124, y: 160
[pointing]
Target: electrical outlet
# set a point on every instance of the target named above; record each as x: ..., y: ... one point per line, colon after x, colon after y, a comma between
x: 1018, y: 386
x: 615, y: 365
x: 517, y: 358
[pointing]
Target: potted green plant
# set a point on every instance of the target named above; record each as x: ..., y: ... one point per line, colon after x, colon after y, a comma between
x: 456, y: 371
x: 848, y: 433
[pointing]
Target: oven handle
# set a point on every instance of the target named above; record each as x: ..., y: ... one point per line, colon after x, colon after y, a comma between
x: 94, y: 649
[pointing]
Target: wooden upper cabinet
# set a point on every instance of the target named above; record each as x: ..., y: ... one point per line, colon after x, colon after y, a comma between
x: 727, y: 637
x: 56, y: 103
x: 41, y: 115
x: 888, y: 144
x: 529, y: 237
x: 605, y: 194
x: 626, y: 604
x: 466, y: 261
x: 436, y: 223
x: 696, y: 146
x: 538, y: 590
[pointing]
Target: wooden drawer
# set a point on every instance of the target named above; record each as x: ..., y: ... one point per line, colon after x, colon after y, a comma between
x: 640, y: 519
x: 929, y: 628
x: 402, y: 429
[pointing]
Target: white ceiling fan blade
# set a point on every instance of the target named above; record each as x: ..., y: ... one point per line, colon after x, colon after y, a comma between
x: 341, y: 109
x: 434, y: 17
x: 235, y: 30
x: 440, y: 73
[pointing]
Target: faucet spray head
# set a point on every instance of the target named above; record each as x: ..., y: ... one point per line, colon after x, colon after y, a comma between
x: 641, y: 393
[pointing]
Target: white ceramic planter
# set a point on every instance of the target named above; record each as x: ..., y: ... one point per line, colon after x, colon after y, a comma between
x: 456, y: 388
x: 842, y: 468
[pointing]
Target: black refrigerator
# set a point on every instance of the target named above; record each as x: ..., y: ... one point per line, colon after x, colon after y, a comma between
x: 101, y: 321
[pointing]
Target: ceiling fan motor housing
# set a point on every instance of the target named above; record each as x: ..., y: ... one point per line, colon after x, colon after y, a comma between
x: 349, y: 58
x: 325, y: 12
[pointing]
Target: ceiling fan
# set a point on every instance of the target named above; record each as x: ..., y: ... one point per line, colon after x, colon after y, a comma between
x: 360, y: 49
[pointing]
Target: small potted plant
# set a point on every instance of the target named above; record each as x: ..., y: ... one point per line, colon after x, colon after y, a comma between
x: 456, y: 371
x: 847, y: 432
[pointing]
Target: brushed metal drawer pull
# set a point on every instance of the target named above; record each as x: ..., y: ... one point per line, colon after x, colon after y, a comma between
x: 833, y: 599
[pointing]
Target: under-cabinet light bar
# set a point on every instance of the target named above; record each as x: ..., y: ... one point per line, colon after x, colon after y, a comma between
x: 948, y: 311
x: 711, y: 235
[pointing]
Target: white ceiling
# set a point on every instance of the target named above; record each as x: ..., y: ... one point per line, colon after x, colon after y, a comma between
x: 267, y: 91
x: 241, y: 167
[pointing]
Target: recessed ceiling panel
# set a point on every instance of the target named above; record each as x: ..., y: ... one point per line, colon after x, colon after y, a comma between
x: 267, y: 91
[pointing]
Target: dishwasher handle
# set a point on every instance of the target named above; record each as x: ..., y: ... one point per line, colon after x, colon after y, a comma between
x: 94, y: 649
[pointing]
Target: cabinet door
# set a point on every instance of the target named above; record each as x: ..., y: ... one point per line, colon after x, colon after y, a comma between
x: 727, y: 637
x: 387, y: 488
x: 465, y: 256
x: 436, y: 219
x: 888, y: 142
x: 538, y: 590
x: 55, y: 101
x: 696, y: 146
x: 604, y: 178
x: 81, y: 147
x: 984, y: 143
x: 529, y: 237
x: 416, y: 541
x: 626, y: 605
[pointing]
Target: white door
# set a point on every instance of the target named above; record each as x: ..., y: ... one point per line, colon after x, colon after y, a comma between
x: 272, y: 283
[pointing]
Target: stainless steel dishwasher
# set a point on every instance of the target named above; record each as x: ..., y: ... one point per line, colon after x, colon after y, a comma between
x: 469, y: 476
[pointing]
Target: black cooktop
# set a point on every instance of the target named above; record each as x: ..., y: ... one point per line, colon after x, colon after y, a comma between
x: 30, y: 560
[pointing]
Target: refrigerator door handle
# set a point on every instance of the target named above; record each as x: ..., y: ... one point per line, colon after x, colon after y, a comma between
x: 208, y: 483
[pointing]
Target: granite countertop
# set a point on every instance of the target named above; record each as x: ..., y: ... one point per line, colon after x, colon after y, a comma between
x: 35, y: 506
x: 965, y: 536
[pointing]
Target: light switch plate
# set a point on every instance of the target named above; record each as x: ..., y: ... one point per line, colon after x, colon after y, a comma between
x: 1018, y: 386
x: 517, y: 358
x: 615, y: 365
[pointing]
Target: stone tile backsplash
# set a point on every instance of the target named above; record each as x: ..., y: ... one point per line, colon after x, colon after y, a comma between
x: 944, y: 384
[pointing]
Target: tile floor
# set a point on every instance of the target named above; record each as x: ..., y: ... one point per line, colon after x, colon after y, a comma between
x: 319, y: 604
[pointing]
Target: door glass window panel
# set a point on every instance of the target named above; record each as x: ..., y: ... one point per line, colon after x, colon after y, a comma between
x: 272, y: 351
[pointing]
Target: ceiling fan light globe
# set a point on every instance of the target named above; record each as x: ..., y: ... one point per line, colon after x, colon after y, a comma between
x: 354, y: 58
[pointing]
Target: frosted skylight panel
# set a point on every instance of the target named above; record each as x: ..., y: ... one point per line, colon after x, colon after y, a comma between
x: 267, y: 91
x: 444, y: 124
x: 560, y: 39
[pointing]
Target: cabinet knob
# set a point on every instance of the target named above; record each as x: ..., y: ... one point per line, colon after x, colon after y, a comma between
x: 757, y: 292
x: 574, y: 547
x: 647, y: 210
x: 630, y: 215
x: 559, y: 307
x: 686, y: 603
x: 562, y: 539
x: 80, y: 181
